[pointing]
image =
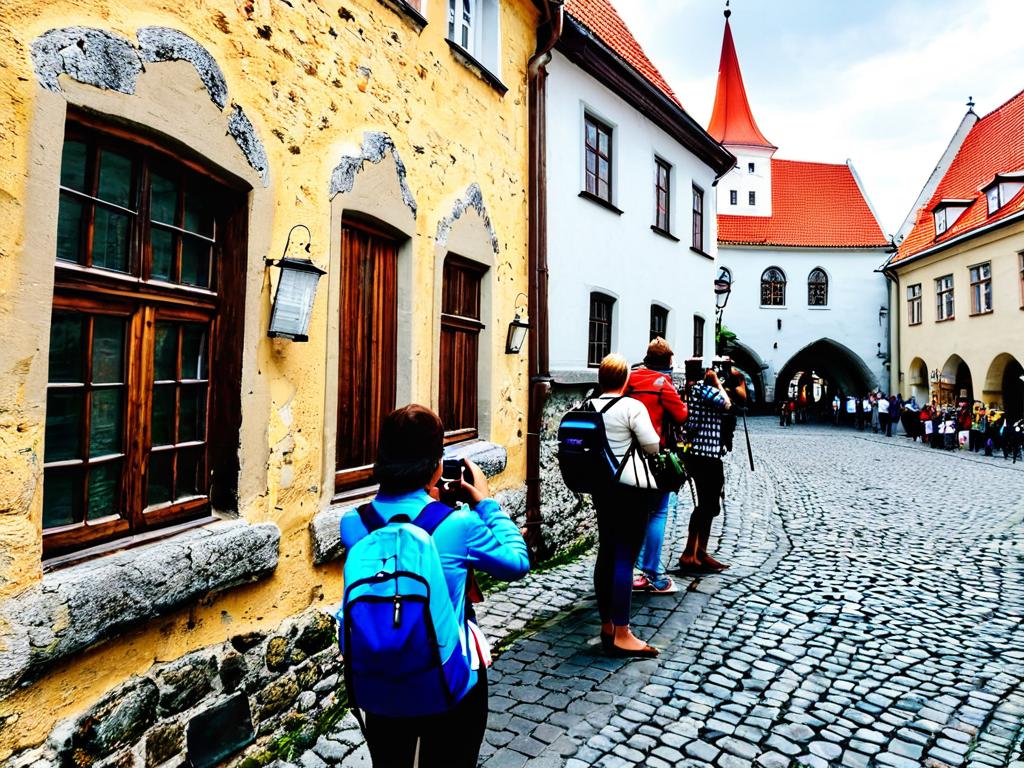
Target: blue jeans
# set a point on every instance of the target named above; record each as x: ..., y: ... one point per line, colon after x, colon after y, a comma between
x: 649, y: 560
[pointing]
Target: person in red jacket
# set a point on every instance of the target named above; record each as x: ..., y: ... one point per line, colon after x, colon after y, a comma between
x: 651, y: 384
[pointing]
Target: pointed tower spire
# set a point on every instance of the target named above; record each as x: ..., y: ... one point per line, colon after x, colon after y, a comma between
x: 731, y: 119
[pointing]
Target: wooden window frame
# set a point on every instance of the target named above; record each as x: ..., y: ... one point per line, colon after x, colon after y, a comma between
x: 813, y: 289
x: 659, y: 322
x: 595, y: 151
x: 776, y: 288
x: 598, y: 348
x: 662, y: 195
x: 465, y: 324
x: 144, y: 301
x: 699, y: 326
x: 978, y: 288
x: 914, y: 304
x: 941, y: 291
x: 698, y: 218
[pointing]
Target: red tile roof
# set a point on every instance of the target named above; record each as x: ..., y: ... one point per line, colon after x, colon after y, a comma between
x: 994, y: 145
x: 732, y: 122
x: 818, y: 205
x: 601, y: 18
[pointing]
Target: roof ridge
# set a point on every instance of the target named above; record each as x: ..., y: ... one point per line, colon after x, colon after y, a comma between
x: 1004, y: 104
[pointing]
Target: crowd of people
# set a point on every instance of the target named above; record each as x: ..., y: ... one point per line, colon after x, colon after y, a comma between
x: 972, y: 426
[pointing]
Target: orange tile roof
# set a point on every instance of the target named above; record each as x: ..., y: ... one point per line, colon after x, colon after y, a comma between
x: 994, y: 145
x: 817, y: 205
x: 602, y: 19
x: 732, y: 122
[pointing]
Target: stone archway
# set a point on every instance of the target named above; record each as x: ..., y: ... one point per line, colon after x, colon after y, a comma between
x: 1004, y: 385
x: 917, y: 381
x: 956, y: 382
x: 840, y: 369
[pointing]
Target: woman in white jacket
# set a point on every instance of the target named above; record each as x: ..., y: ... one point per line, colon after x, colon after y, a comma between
x: 622, y: 509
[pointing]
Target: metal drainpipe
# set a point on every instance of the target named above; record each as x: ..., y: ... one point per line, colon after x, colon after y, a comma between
x: 540, y: 378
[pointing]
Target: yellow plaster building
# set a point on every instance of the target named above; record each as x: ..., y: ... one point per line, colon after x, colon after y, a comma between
x: 170, y: 476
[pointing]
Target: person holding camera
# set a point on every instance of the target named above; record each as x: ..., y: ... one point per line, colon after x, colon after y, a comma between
x: 477, y: 534
x: 622, y: 509
x: 708, y: 402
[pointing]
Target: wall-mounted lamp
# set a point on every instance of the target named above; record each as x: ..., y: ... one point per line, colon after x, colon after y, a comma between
x: 296, y: 288
x: 723, y: 288
x: 517, y: 329
x: 882, y: 313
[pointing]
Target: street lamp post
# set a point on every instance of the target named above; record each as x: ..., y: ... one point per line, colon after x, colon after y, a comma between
x: 723, y: 289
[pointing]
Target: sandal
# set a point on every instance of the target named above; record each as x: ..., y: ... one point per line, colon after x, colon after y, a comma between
x: 647, y: 652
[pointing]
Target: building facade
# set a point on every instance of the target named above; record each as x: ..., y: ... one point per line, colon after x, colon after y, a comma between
x: 802, y: 246
x: 958, y: 276
x: 171, y: 478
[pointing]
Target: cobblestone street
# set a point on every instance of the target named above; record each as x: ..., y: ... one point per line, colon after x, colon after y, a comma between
x: 872, y: 616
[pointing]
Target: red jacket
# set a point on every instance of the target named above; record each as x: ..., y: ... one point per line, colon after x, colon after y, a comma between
x: 658, y: 394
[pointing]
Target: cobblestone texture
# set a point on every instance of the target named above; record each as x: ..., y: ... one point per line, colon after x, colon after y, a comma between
x: 872, y: 617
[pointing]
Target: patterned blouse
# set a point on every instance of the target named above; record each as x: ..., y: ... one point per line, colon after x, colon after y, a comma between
x: 704, y: 424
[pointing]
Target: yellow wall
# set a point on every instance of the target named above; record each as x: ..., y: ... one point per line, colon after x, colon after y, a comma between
x: 980, y: 339
x: 325, y: 74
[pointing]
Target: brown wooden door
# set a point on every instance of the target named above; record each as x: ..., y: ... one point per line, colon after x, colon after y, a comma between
x: 368, y: 353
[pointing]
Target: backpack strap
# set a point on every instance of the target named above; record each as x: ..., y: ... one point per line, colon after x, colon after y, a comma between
x: 431, y: 516
x: 371, y: 518
x: 611, y: 403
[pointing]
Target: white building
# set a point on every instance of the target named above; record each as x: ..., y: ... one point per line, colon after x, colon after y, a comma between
x: 803, y: 246
x: 631, y: 205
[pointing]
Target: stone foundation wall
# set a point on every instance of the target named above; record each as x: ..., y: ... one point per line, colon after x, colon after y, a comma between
x: 233, y: 703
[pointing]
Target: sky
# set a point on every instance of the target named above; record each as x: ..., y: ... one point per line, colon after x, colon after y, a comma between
x: 883, y: 83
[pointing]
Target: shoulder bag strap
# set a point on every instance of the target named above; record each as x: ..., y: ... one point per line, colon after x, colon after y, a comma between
x: 371, y: 518
x: 612, y: 402
x: 431, y: 516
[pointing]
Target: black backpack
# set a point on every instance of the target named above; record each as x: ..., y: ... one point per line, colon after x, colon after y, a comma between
x: 584, y: 456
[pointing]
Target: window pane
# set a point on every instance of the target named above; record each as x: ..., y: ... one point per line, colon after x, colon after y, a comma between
x: 602, y: 190
x: 158, y: 479
x: 189, y: 473
x: 165, y: 352
x: 591, y: 134
x: 195, y: 262
x: 603, y: 145
x: 192, y: 424
x: 198, y: 212
x: 62, y: 497
x: 591, y: 162
x: 193, y: 352
x: 107, y: 349
x: 163, y: 199
x: 115, y: 179
x: 602, y: 169
x: 162, y: 417
x: 163, y: 254
x: 72, y: 165
x: 63, y: 424
x: 66, y: 332
x: 69, y: 229
x: 110, y: 240
x: 105, y: 422
x: 104, y: 484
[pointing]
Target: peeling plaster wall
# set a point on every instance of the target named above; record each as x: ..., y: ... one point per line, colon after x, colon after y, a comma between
x: 283, y: 92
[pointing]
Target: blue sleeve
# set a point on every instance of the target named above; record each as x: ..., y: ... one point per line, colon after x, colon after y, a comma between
x: 494, y: 544
x: 714, y: 397
x: 352, y: 528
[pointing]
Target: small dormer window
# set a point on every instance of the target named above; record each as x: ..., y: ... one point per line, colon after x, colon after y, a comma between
x: 940, y: 221
x: 992, y: 193
x: 947, y: 211
x: 1003, y: 188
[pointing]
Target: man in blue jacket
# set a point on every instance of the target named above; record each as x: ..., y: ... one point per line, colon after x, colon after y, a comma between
x: 480, y: 536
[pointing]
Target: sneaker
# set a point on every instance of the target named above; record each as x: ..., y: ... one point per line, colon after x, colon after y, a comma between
x: 641, y: 583
x: 663, y: 585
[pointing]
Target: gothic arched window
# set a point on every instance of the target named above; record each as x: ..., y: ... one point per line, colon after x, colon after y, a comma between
x: 817, y: 288
x: 773, y: 288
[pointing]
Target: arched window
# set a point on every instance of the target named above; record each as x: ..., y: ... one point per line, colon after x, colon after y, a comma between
x: 817, y: 288
x: 773, y: 288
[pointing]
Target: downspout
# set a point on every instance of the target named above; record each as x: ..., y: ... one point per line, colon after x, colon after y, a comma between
x: 895, y: 338
x: 537, y: 295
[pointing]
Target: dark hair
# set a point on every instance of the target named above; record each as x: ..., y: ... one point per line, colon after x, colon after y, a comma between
x: 410, y: 446
x: 659, y: 354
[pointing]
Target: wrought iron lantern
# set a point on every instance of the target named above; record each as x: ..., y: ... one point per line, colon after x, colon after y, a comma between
x: 517, y: 330
x: 296, y: 288
x: 723, y: 288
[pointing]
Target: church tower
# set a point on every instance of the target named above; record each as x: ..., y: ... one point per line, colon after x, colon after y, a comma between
x: 747, y: 189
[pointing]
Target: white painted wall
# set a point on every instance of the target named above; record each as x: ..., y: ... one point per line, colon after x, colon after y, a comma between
x: 744, y: 182
x: 856, y: 293
x: 591, y: 248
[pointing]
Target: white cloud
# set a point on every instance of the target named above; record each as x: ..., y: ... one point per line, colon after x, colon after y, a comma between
x: 886, y: 89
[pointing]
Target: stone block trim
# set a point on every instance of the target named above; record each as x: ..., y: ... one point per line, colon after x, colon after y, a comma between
x: 325, y: 527
x: 73, y: 608
x: 262, y: 683
x: 165, y: 44
x: 376, y: 146
x: 474, y: 200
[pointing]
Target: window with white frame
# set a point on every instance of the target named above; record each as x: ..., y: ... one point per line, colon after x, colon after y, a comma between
x: 981, y: 288
x: 944, y: 298
x: 473, y: 25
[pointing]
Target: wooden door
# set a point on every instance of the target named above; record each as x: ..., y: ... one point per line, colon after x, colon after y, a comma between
x: 367, y: 357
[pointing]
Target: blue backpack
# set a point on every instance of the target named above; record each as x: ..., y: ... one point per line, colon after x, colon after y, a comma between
x: 584, y: 456
x: 404, y: 651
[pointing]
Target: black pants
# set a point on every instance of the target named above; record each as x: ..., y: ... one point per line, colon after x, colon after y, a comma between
x: 448, y: 740
x: 708, y: 479
x: 884, y: 426
x: 622, y: 514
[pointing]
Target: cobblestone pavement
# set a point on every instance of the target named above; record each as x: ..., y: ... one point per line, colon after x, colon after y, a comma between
x: 873, y: 616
